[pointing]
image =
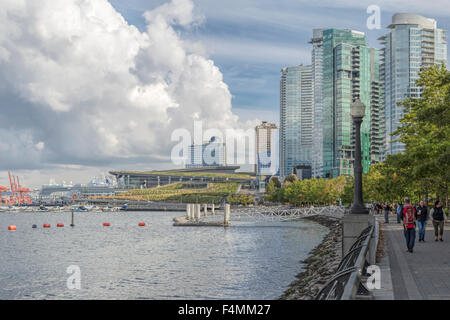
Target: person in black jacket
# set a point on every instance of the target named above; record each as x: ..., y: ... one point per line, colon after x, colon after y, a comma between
x: 438, y: 215
x: 422, y: 217
x: 387, y: 210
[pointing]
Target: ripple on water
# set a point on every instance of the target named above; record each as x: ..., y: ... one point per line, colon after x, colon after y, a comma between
x: 124, y: 261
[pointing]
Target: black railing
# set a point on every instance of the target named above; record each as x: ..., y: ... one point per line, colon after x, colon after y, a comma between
x: 346, y: 284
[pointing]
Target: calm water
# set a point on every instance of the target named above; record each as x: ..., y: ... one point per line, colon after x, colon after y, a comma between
x: 124, y: 261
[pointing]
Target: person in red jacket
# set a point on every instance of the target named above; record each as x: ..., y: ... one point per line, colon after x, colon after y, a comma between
x: 409, y: 224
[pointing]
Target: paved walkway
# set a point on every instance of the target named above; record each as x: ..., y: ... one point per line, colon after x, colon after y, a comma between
x: 424, y: 274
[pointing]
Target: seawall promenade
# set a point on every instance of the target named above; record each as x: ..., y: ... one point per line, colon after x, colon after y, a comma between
x: 421, y: 275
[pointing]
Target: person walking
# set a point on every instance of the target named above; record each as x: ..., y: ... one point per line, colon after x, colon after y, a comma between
x: 399, y: 212
x: 422, y: 218
x: 387, y: 209
x: 409, y: 224
x: 438, y: 216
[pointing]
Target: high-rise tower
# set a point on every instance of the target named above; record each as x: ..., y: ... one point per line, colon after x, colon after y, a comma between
x: 413, y: 43
x: 296, y: 120
x: 349, y: 72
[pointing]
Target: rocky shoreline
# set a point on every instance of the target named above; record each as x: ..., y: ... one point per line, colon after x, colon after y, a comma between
x: 320, y: 265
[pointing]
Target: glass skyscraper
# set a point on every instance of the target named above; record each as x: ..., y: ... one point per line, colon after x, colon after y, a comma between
x: 296, y: 120
x: 349, y: 72
x: 317, y: 62
x: 414, y: 43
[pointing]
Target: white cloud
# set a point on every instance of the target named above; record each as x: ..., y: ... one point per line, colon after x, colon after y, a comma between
x: 79, y: 85
x: 176, y: 12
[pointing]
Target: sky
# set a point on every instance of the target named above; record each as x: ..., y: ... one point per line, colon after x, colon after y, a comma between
x: 87, y: 86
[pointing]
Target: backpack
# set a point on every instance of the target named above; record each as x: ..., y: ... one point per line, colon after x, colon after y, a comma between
x: 438, y: 214
x: 409, y: 215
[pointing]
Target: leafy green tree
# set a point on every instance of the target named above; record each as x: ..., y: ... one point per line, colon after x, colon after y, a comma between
x: 425, y: 131
x: 276, y: 182
x: 291, y: 178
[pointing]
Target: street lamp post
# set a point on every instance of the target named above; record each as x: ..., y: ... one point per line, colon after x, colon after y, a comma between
x: 358, y: 110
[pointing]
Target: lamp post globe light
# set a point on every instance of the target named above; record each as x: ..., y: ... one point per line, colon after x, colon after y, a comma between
x: 358, y: 110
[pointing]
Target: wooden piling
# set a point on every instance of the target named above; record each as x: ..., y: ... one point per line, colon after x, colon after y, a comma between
x: 198, y: 211
x: 226, y: 218
x: 188, y: 211
x: 73, y: 221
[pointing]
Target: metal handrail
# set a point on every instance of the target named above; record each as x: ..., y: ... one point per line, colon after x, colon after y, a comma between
x: 354, y: 282
x: 334, y: 288
x: 361, y: 238
x: 350, y: 258
x: 346, y: 283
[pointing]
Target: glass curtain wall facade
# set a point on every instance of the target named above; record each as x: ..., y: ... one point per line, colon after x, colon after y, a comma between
x: 377, y: 123
x: 317, y: 70
x: 296, y: 119
x: 414, y: 43
x: 348, y: 74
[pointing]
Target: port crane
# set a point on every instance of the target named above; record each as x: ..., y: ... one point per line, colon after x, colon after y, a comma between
x: 19, y: 195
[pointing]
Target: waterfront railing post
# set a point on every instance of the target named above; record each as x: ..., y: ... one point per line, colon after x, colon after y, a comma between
x: 205, y: 209
x: 212, y: 209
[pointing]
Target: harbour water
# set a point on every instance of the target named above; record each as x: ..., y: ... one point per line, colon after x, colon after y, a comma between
x: 255, y: 260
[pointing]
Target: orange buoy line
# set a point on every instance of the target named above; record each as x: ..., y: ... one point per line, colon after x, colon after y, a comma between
x: 61, y: 225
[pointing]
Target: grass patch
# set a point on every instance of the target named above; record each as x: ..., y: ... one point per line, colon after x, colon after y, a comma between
x: 176, y: 193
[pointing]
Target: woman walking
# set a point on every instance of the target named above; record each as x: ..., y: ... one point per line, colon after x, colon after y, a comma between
x: 438, y: 215
x: 422, y: 217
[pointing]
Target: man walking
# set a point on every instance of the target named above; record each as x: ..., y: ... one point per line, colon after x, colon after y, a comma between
x: 409, y: 224
x: 422, y: 218
x: 387, y: 209
x: 399, y: 212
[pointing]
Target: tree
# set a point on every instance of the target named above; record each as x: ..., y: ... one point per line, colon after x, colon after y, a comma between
x: 275, y: 181
x: 425, y: 131
x: 291, y: 178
